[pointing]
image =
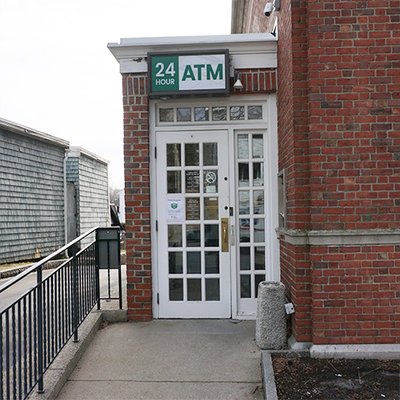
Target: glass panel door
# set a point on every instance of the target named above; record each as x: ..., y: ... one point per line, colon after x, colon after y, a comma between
x: 192, y: 203
x: 250, y: 194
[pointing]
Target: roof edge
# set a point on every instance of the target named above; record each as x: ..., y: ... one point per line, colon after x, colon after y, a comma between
x: 33, y: 133
x: 195, y: 40
x: 76, y: 151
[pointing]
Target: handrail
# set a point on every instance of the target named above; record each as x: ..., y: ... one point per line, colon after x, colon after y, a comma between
x: 36, y: 326
x: 35, y: 266
x: 33, y: 287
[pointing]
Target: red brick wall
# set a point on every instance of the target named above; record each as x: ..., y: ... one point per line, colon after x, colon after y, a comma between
x: 137, y: 197
x: 255, y: 81
x: 339, y: 142
x: 296, y: 275
x: 356, y: 294
x: 293, y: 158
x: 354, y: 84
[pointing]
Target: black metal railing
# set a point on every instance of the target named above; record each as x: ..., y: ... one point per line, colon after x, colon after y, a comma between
x: 37, y: 325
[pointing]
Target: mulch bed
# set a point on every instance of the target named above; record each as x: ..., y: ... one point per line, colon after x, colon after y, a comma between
x: 308, y: 378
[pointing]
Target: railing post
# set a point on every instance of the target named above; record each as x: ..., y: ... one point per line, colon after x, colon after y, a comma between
x: 75, y: 293
x: 39, y: 279
x: 119, y: 271
x: 97, y: 270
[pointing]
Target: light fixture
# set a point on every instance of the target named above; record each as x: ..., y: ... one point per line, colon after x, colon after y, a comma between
x: 238, y: 84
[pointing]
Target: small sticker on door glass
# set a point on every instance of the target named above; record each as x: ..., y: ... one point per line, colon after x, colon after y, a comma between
x: 210, y: 182
x: 211, y: 177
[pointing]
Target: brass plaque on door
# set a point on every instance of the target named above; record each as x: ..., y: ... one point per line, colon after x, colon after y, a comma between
x: 224, y: 235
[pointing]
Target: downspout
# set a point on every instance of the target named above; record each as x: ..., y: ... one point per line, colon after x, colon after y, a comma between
x: 66, y: 155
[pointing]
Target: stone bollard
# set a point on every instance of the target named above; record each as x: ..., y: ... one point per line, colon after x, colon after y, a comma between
x: 271, y: 316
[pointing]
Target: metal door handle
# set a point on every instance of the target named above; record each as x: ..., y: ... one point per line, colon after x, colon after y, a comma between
x: 224, y: 235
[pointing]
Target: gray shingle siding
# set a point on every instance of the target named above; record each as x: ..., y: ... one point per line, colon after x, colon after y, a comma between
x: 93, y: 193
x: 31, y: 197
x: 90, y: 177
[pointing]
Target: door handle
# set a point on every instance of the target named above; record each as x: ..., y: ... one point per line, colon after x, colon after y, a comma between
x: 224, y: 235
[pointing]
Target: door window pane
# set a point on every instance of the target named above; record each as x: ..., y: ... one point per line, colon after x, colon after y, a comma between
x: 243, y: 174
x: 192, y: 181
x: 237, y: 113
x: 173, y: 155
x: 245, y: 289
x: 193, y: 235
x: 212, y: 262
x: 244, y: 258
x: 258, y: 146
x: 243, y: 146
x: 212, y: 289
x: 257, y: 280
x: 174, y: 182
x: 176, y: 289
x: 244, y: 230
x: 191, y: 154
x: 183, y: 114
x: 258, y: 202
x: 166, y: 115
x: 192, y: 208
x: 219, y: 113
x: 175, y: 262
x: 210, y: 181
x: 210, y: 153
x: 201, y: 113
x: 244, y: 202
x: 259, y: 230
x: 174, y: 235
x: 258, y: 174
x: 211, y: 208
x: 211, y: 238
x: 194, y: 289
x: 193, y: 265
x: 254, y: 112
x: 259, y: 258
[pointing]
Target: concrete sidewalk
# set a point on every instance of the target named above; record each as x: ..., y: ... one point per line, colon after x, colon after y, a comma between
x: 169, y: 359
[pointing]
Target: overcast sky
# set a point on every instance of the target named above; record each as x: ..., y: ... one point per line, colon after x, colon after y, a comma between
x: 57, y: 75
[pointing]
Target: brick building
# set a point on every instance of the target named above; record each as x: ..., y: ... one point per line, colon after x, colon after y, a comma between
x: 210, y: 178
x: 339, y: 142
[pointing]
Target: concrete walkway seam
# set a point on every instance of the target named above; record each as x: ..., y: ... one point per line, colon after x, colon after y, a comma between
x: 59, y: 372
x: 268, y: 376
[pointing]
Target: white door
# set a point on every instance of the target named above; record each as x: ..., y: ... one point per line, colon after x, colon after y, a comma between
x: 194, y: 272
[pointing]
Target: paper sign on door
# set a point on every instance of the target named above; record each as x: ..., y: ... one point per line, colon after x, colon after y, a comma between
x: 175, y: 209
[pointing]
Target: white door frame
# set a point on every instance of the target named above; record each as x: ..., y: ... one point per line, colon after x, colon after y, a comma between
x: 268, y: 124
x: 203, y: 308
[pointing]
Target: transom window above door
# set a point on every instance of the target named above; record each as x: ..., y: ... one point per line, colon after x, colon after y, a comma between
x: 210, y: 113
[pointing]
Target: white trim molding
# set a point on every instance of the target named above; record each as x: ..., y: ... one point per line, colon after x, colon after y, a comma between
x: 340, y: 237
x: 251, y: 50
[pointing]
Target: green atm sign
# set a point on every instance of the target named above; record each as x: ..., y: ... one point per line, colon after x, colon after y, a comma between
x: 188, y: 74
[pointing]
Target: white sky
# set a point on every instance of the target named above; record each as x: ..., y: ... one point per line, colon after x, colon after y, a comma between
x: 57, y: 75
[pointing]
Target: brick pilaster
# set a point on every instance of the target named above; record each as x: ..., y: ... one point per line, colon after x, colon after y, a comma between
x: 137, y: 196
